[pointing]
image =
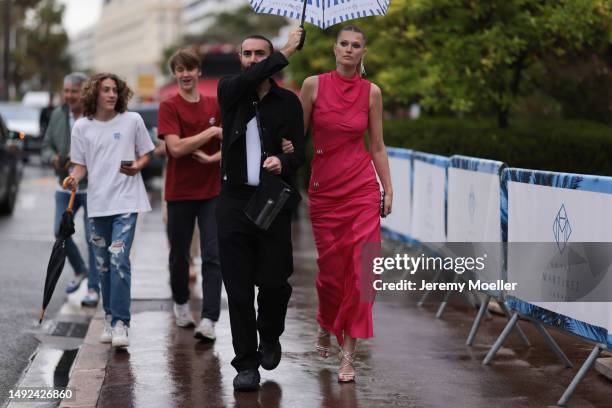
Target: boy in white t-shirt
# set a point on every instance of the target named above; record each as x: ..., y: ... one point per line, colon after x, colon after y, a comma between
x: 112, y: 146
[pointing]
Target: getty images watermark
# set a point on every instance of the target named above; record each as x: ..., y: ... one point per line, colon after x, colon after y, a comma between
x: 529, y: 271
x: 407, y: 264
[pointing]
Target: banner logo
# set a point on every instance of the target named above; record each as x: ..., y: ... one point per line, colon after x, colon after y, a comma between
x: 472, y: 203
x: 562, y: 228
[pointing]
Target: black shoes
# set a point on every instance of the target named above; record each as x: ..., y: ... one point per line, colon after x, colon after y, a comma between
x: 247, y: 380
x: 270, y: 354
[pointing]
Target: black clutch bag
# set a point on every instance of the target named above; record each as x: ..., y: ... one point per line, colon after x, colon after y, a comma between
x: 269, y: 198
x: 271, y: 194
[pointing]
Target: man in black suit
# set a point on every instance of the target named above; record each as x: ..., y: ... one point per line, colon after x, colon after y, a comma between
x: 250, y: 256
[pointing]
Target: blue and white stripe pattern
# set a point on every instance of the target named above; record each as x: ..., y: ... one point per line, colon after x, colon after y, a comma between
x: 476, y: 164
x: 399, y: 152
x: 579, y: 328
x: 435, y: 159
x: 322, y: 13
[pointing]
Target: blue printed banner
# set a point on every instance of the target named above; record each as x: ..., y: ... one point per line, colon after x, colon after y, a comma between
x: 564, y: 210
x: 474, y: 190
x: 396, y: 226
x: 429, y: 197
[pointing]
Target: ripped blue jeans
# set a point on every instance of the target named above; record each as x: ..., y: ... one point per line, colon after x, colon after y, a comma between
x: 112, y: 239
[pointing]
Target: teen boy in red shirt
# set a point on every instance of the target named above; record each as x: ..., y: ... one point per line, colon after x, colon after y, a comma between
x: 189, y: 124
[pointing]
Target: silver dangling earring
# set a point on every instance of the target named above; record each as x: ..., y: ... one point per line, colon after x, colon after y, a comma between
x: 362, y: 69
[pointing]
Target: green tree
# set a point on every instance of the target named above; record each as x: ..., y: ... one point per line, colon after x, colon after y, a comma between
x: 45, y: 58
x: 470, y: 56
x: 15, y: 26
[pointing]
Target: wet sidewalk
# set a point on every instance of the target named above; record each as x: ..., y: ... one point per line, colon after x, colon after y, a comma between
x: 415, y: 360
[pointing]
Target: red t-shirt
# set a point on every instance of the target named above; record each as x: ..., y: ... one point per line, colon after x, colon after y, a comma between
x: 187, y: 178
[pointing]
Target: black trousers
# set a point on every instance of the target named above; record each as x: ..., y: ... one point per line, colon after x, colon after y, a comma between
x: 251, y: 257
x: 182, y: 216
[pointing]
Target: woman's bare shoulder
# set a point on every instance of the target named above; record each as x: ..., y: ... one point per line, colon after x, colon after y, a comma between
x: 311, y: 82
x: 310, y: 87
x: 375, y: 90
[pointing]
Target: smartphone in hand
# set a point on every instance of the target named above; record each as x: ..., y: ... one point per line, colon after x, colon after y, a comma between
x: 127, y: 163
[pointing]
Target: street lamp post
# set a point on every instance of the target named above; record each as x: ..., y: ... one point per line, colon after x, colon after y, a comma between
x: 6, y: 54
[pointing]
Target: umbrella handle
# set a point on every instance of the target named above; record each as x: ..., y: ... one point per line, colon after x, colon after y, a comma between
x: 71, y: 202
x: 302, y: 38
x: 65, y: 185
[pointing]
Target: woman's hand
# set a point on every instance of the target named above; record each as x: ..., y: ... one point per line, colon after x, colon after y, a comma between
x: 287, y: 146
x: 388, y: 202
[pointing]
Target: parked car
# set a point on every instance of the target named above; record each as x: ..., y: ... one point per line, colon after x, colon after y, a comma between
x: 149, y: 116
x: 26, y: 119
x: 11, y: 168
x: 40, y: 99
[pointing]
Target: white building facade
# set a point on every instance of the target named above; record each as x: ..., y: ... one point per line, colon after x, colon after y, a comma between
x: 81, y: 48
x: 131, y: 35
x: 198, y: 15
x: 130, y: 38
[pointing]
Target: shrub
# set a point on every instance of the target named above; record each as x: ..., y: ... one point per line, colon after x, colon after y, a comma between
x: 554, y: 145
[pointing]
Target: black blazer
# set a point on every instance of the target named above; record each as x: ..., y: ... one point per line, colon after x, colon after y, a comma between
x: 281, y: 117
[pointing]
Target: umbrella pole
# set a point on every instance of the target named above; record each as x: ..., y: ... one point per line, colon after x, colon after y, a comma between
x: 71, y: 202
x: 303, y: 38
x: 42, y: 315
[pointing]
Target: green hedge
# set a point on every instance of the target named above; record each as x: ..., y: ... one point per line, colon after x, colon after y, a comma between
x: 555, y: 145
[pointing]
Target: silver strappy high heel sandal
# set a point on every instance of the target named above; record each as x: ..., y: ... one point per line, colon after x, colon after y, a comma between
x: 346, y: 360
x: 323, y: 334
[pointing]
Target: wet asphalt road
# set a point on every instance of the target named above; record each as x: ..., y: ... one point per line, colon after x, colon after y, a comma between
x: 26, y: 238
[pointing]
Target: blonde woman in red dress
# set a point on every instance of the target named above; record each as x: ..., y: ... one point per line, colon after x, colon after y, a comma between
x: 344, y: 195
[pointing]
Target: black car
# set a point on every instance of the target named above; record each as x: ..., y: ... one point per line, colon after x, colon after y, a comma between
x: 23, y: 119
x: 11, y: 168
x: 149, y: 116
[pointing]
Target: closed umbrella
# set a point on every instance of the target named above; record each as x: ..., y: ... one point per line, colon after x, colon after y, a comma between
x: 322, y: 13
x: 58, y: 255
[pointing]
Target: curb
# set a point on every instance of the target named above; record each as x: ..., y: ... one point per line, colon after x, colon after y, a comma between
x: 89, y: 369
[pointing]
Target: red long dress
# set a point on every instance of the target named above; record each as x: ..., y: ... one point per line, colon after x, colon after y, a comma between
x: 344, y: 201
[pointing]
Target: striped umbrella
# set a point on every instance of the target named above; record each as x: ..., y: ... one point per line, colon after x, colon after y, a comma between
x: 322, y: 13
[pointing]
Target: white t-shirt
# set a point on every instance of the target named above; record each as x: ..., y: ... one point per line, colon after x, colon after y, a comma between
x: 101, y: 146
x: 253, y: 153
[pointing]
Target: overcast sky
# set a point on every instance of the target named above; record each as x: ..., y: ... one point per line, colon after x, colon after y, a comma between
x: 80, y: 14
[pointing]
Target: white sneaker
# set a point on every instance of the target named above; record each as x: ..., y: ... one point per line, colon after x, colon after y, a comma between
x: 107, y: 333
x: 91, y: 299
x: 205, y: 330
x: 120, y: 335
x: 183, y: 316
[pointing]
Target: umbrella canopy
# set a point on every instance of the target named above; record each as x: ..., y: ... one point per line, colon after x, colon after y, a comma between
x: 58, y: 255
x: 322, y: 13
